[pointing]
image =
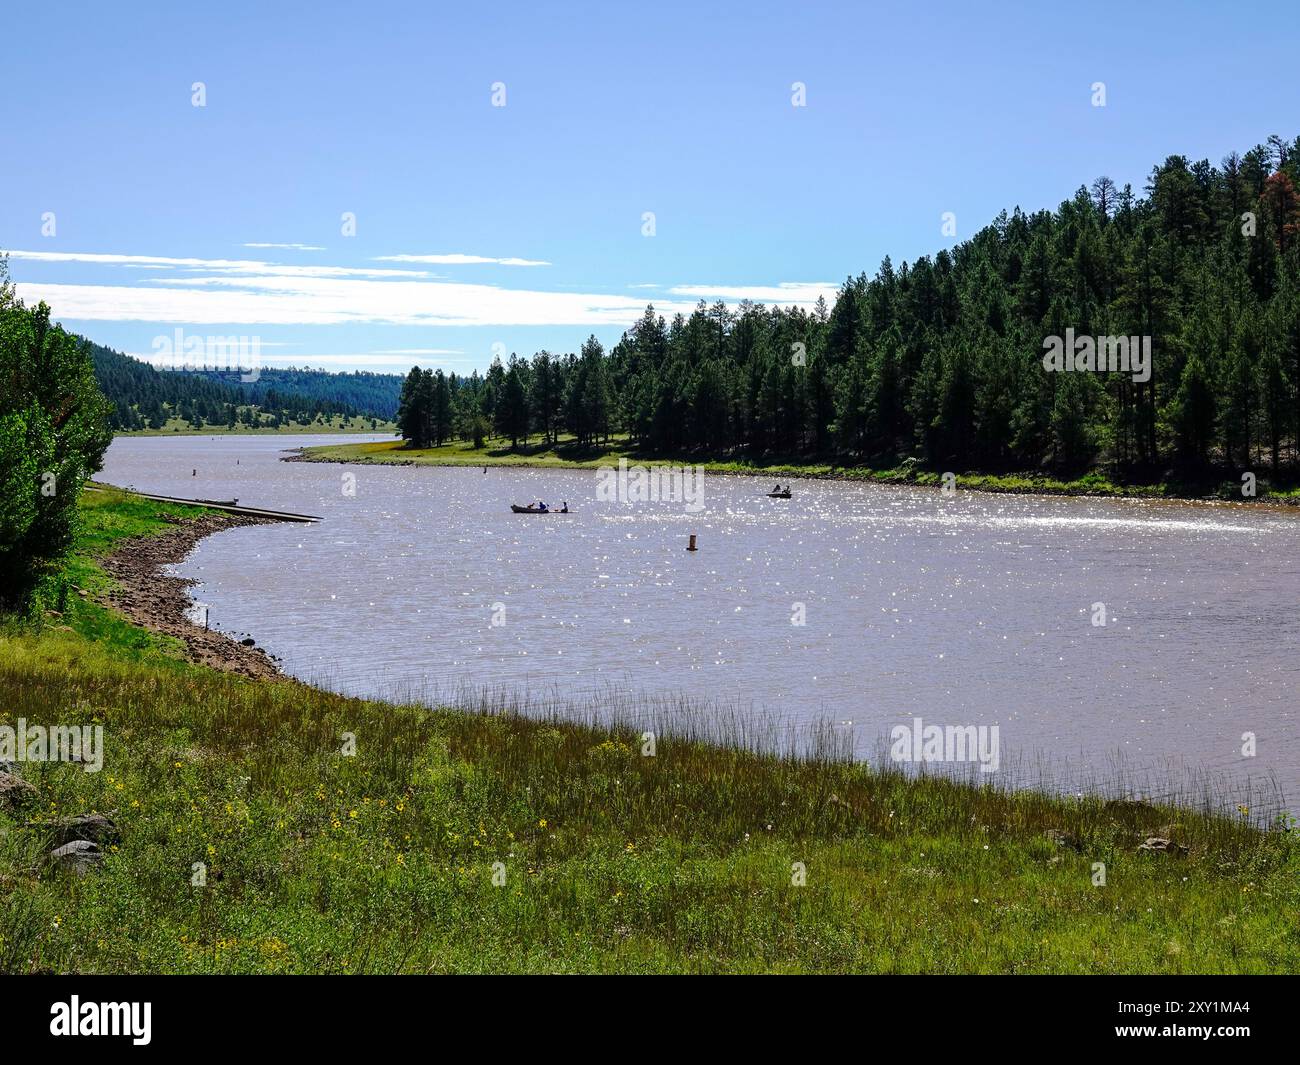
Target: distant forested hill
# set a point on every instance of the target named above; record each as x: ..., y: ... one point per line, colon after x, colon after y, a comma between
x: 370, y: 394
x: 144, y: 397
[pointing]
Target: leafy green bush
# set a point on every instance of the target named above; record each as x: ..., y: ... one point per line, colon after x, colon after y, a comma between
x: 53, y: 434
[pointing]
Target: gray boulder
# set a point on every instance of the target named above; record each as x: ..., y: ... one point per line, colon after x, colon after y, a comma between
x: 93, y: 828
x: 78, y: 857
x: 14, y: 790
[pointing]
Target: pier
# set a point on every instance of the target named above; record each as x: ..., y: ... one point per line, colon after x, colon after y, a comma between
x: 257, y: 512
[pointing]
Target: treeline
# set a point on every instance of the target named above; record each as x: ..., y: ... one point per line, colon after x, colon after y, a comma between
x: 144, y: 397
x: 941, y: 360
x: 545, y: 396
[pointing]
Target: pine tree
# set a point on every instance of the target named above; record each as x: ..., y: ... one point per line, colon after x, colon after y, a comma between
x: 412, y: 415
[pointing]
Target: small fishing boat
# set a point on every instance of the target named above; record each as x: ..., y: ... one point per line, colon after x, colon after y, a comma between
x: 779, y: 495
x: 219, y: 502
x: 517, y: 509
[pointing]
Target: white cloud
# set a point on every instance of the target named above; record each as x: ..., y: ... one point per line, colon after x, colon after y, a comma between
x: 298, y: 300
x: 458, y: 260
x: 291, y: 247
x: 225, y: 266
x: 305, y: 361
x: 252, y: 292
x: 799, y: 293
x: 420, y: 351
x: 114, y: 259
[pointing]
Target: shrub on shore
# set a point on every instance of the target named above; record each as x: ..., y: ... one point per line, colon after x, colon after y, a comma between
x: 53, y: 434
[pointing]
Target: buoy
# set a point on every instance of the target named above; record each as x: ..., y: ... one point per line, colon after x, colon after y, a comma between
x: 691, y: 546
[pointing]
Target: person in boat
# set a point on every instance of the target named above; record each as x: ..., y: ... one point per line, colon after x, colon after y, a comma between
x: 776, y: 489
x: 541, y: 506
x: 565, y: 508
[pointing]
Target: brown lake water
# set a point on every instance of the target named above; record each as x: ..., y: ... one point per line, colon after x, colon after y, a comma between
x: 972, y: 609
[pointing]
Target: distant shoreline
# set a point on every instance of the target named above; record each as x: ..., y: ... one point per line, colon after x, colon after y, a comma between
x: 390, y: 453
x: 221, y: 430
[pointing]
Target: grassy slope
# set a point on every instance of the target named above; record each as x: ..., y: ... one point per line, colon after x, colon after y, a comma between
x: 567, y: 454
x: 614, y: 861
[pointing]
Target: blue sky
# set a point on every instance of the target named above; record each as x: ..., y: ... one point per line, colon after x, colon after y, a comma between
x: 385, y: 110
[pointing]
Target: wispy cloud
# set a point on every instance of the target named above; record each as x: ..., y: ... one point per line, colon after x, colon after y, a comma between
x: 295, y: 300
x: 359, y: 359
x: 458, y: 260
x: 290, y: 247
x: 226, y: 266
x: 798, y: 293
x: 419, y: 351
x: 199, y: 291
x: 115, y: 259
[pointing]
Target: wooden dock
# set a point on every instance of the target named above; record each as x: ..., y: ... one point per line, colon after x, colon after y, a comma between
x: 278, y: 515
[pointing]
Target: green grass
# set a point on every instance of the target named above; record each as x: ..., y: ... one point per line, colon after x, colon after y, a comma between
x: 382, y: 861
x: 567, y: 454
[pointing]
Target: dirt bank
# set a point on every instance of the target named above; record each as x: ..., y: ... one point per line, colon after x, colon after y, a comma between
x: 159, y: 602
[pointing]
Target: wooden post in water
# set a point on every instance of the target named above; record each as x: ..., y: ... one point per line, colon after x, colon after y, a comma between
x: 691, y: 546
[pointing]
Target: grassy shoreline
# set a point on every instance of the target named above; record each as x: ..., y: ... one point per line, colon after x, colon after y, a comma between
x: 383, y: 861
x: 568, y: 456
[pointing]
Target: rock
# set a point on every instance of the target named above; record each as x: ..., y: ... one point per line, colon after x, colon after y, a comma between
x: 14, y: 790
x: 1063, y: 839
x: 78, y: 857
x: 248, y: 641
x: 1160, y: 845
x: 93, y: 828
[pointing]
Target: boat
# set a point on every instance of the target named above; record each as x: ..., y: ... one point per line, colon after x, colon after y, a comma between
x: 517, y: 509
x: 779, y: 495
x: 219, y: 502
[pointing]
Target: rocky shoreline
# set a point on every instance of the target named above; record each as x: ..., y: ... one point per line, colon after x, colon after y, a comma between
x: 160, y: 602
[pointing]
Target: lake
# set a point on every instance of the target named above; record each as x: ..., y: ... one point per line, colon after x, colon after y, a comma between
x: 972, y: 609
